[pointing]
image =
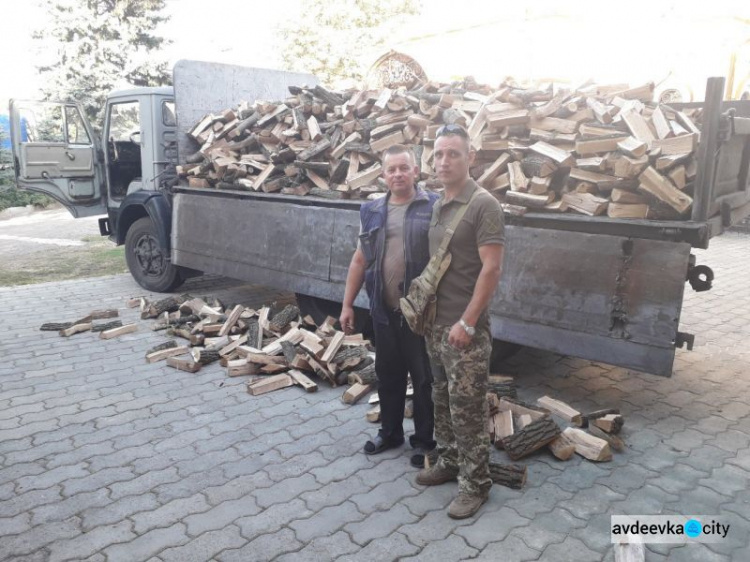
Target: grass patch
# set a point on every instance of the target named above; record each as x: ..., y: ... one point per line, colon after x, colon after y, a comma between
x: 95, y: 259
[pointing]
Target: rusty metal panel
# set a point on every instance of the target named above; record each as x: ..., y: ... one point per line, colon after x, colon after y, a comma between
x: 598, y: 297
x: 607, y: 298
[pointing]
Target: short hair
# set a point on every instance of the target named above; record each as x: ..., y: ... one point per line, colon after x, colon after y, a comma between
x: 399, y: 149
x: 453, y: 130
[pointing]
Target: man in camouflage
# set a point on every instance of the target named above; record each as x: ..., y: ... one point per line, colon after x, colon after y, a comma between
x: 460, y: 341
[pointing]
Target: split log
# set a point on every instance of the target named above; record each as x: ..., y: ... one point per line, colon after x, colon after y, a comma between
x: 502, y: 427
x: 269, y: 384
x: 614, y: 441
x: 588, y: 446
x: 355, y: 393
x: 373, y: 414
x: 502, y: 385
x: 595, y: 415
x: 106, y: 326
x: 184, y: 364
x: 534, y: 436
x: 303, y: 380
x: 611, y: 423
x: 169, y: 304
x: 520, y: 408
x: 76, y: 329
x: 205, y: 356
x: 586, y: 203
x: 510, y: 475
x: 241, y: 367
x: 366, y: 376
x: 654, y: 183
x: 166, y: 345
x: 281, y: 319
x: 560, y: 409
x: 562, y: 447
x: 55, y: 326
x: 625, y: 211
x: 194, y: 339
x: 232, y: 319
x: 115, y: 332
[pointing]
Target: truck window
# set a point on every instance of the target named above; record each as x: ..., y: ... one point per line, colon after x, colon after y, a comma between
x: 124, y: 120
x: 43, y: 123
x: 77, y: 133
x: 168, y: 114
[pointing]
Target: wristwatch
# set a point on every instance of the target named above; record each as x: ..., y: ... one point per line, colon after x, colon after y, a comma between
x: 468, y: 329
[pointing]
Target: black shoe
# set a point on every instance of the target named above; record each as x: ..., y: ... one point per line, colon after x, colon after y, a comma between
x: 378, y: 445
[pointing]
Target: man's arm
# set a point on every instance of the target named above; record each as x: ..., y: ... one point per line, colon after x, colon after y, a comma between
x: 354, y: 280
x: 492, y: 259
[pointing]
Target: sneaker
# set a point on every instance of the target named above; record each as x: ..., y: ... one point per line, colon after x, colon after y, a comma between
x: 465, y: 506
x: 436, y: 475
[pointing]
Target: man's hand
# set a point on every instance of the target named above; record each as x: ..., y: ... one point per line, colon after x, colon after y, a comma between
x: 347, y: 319
x: 458, y: 337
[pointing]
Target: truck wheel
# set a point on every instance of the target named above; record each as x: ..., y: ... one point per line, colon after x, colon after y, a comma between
x: 501, y: 350
x: 148, y: 263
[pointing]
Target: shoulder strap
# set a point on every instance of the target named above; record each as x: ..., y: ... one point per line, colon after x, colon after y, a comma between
x: 453, y: 226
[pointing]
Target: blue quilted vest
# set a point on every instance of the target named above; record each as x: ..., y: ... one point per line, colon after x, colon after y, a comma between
x: 373, y: 216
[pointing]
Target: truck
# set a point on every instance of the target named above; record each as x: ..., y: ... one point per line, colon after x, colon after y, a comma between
x: 602, y: 289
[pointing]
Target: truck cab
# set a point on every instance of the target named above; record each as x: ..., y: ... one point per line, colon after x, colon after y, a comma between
x: 119, y: 169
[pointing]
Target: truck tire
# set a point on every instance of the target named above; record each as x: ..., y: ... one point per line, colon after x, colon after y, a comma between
x: 148, y: 263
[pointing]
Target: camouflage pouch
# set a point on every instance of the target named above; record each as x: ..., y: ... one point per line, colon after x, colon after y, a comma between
x: 419, y: 306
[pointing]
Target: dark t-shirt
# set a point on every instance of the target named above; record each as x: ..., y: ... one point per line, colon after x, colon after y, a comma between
x: 482, y: 224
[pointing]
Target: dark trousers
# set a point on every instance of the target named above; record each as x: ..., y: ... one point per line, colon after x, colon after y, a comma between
x: 401, y: 352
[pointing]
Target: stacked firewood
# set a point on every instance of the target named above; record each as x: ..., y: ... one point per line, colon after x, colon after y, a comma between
x: 595, y: 150
x: 521, y: 429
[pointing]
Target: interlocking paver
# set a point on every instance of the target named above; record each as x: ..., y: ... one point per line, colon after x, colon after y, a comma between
x: 60, y: 510
x: 265, y: 547
x: 117, y: 511
x: 87, y: 544
x: 178, y: 455
x: 164, y: 515
x: 380, y: 524
x: 326, y: 521
x: 145, y: 546
x: 220, y: 516
x: 323, y: 548
x: 452, y: 548
x: 204, y: 547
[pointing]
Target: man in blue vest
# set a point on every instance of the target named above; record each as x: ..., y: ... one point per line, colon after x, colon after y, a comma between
x: 394, y: 249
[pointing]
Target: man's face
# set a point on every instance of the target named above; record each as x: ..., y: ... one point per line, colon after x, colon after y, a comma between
x: 400, y: 173
x: 452, y: 160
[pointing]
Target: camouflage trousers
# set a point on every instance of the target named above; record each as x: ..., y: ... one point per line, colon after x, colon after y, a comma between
x: 459, y: 393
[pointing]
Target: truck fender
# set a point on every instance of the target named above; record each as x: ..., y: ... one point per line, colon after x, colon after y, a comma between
x: 141, y: 204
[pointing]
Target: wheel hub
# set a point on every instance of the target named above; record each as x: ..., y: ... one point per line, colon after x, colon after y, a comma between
x: 149, y: 255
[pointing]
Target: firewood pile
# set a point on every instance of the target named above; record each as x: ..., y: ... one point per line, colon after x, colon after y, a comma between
x: 594, y: 150
x: 520, y: 429
x: 275, y: 348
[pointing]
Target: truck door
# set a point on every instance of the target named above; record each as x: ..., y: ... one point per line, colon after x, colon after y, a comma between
x: 54, y: 152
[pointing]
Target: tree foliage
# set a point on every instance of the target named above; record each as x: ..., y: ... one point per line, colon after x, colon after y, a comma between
x: 337, y: 41
x: 100, y: 45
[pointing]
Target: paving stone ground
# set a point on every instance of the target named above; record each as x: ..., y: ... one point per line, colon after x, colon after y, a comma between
x: 104, y: 457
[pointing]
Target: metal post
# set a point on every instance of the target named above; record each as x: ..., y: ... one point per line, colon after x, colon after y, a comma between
x: 704, y: 182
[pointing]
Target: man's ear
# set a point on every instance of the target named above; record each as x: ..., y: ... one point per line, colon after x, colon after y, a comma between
x: 472, y: 156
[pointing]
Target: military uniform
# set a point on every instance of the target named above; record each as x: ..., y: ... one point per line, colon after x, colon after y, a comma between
x: 461, y: 375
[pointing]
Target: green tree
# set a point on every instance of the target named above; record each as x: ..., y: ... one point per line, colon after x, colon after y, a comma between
x: 98, y: 44
x: 334, y: 40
